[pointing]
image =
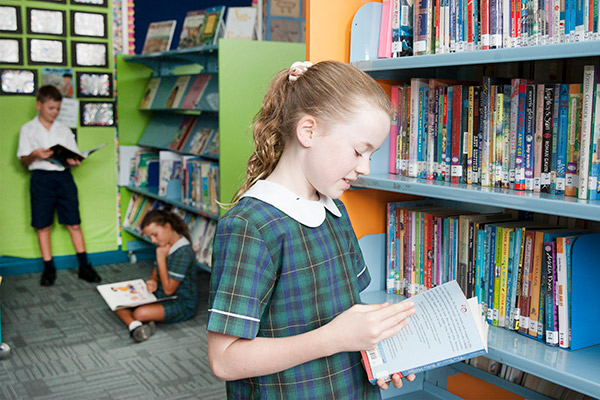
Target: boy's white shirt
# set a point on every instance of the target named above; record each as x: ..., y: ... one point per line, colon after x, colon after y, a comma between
x: 307, y: 212
x: 34, y: 135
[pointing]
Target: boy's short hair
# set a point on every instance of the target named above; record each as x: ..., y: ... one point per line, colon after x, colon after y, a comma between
x: 48, y: 92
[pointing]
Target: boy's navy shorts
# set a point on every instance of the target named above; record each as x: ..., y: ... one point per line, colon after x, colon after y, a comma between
x: 50, y: 191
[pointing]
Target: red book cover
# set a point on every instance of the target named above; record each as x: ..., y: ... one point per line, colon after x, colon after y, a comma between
x: 428, y: 235
x: 485, y: 24
x: 455, y: 168
x: 195, y: 92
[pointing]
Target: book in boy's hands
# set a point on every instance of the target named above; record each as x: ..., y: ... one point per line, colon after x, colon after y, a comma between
x: 159, y: 36
x: 128, y: 294
x: 61, y: 154
x: 445, y: 329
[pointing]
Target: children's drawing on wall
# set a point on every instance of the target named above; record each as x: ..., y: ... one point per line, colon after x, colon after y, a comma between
x: 285, y: 8
x: 61, y: 78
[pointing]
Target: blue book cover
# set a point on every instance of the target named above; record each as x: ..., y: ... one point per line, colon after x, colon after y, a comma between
x: 561, y: 150
x: 480, y: 265
x: 492, y: 307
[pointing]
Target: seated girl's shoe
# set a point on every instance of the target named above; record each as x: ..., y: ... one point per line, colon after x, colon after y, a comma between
x: 143, y: 332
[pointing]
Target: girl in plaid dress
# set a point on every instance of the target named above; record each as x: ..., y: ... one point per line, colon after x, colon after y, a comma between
x: 285, y: 319
x: 175, y: 274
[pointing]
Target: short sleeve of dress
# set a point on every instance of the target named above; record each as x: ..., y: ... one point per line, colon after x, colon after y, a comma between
x: 242, y: 278
x: 180, y: 262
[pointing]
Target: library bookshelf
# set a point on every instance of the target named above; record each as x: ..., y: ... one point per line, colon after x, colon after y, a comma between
x: 576, y: 370
x: 239, y: 79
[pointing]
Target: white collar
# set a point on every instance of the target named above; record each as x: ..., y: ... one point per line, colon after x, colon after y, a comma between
x: 180, y: 243
x: 307, y: 212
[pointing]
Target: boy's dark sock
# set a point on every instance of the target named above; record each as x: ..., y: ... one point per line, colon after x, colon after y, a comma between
x: 82, y: 259
x: 86, y: 272
x: 49, y: 274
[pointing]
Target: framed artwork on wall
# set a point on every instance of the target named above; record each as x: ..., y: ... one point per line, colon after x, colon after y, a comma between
x: 97, y: 113
x: 47, y: 51
x: 97, y: 3
x: 94, y: 84
x: 88, y: 24
x: 10, y: 19
x: 11, y: 51
x: 46, y: 22
x: 87, y: 54
x: 18, y: 82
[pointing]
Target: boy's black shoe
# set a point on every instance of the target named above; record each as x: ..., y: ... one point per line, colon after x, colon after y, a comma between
x: 87, y: 273
x: 143, y: 332
x: 48, y: 277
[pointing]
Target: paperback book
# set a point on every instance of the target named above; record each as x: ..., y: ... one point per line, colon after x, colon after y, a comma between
x: 159, y: 36
x: 445, y: 329
x: 192, y: 29
x: 128, y: 294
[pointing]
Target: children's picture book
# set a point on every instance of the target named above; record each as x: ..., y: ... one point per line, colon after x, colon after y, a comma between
x: 128, y: 294
x: 61, y: 154
x: 213, y: 25
x: 195, y: 91
x: 177, y: 91
x: 240, y: 23
x: 192, y: 29
x: 445, y: 329
x: 159, y: 36
x: 151, y: 90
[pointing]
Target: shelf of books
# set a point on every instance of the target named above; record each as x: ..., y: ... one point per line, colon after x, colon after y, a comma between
x: 201, y: 228
x: 503, y: 145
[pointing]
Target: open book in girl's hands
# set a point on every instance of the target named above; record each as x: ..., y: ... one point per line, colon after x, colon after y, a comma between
x: 61, y: 153
x: 445, y: 329
x: 128, y: 294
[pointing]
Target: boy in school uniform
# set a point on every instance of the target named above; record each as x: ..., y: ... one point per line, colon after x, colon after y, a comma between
x: 52, y: 187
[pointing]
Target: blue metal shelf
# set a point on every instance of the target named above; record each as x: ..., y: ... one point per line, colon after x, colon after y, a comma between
x: 145, y: 239
x: 514, y: 199
x: 406, y: 67
x: 165, y: 62
x: 153, y: 193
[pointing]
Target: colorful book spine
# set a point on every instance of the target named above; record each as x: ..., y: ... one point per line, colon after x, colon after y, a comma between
x: 551, y: 307
x: 415, y: 116
x: 448, y: 132
x: 508, y: 150
x: 457, y: 135
x: 573, y: 139
x: 555, y: 108
x: 563, y: 116
x: 562, y: 284
x: 535, y: 283
x: 385, y: 30
x: 421, y: 25
x: 520, y: 138
x: 538, y: 136
x: 524, y: 299
x: 594, y: 185
x: 529, y: 143
x: 492, y: 311
x: 590, y: 79
x: 547, y: 142
x: 502, y: 312
x: 394, y: 130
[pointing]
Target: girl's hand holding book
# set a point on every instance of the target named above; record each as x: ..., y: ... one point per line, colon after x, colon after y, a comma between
x: 361, y: 327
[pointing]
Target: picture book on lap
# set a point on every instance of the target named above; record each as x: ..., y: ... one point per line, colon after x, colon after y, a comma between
x: 128, y: 294
x: 159, y: 36
x: 192, y: 29
x: 445, y: 329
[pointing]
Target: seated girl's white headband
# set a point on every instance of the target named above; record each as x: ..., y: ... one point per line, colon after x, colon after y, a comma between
x: 298, y: 68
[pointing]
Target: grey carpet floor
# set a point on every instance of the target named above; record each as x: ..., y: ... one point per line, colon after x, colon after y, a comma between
x: 67, y: 344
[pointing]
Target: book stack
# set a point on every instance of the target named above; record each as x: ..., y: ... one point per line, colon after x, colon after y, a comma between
x: 448, y: 26
x: 522, y: 272
x: 509, y: 133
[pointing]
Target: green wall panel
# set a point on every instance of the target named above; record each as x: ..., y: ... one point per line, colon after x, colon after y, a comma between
x: 246, y: 69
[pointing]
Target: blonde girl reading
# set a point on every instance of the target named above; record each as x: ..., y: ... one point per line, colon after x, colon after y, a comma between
x: 285, y: 319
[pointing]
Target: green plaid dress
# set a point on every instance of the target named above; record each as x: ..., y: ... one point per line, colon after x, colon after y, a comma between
x: 181, y: 267
x: 275, y: 277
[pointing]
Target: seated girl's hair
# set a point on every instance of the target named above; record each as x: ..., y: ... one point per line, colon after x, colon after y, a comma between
x: 161, y: 217
x: 329, y: 91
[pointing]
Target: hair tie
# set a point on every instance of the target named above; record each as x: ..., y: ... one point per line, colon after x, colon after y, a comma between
x: 297, y: 69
